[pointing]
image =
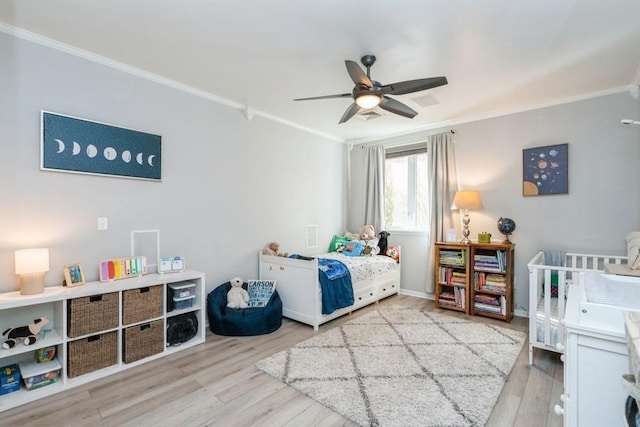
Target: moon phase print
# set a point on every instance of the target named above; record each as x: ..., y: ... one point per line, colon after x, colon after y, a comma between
x: 545, y: 170
x: 71, y: 144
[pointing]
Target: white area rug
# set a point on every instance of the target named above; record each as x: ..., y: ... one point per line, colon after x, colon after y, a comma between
x: 403, y: 367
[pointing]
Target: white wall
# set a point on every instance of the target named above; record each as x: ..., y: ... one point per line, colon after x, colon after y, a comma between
x: 229, y: 185
x: 596, y: 215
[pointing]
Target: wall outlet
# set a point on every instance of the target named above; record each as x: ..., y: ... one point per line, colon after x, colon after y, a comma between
x: 103, y: 223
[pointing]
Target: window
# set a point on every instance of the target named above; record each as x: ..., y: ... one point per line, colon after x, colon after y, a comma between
x: 405, y: 192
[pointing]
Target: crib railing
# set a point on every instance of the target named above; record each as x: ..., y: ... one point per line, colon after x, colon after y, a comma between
x: 540, y: 283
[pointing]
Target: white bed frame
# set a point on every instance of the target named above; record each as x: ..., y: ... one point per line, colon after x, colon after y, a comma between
x: 299, y: 288
x: 545, y: 331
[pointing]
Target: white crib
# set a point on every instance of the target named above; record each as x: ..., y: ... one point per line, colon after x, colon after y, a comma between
x: 546, y: 311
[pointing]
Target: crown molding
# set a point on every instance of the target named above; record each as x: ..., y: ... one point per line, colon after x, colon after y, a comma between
x: 501, y: 113
x: 90, y: 56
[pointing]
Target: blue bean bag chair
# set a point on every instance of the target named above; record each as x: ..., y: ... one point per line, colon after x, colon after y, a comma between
x: 242, y: 321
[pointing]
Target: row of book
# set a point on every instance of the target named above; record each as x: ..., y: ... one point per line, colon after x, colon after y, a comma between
x: 457, y: 298
x: 490, y: 304
x: 451, y: 276
x: 497, y: 262
x: 490, y: 282
x: 456, y: 258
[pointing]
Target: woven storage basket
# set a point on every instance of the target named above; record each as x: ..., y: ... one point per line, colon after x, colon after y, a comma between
x: 92, y: 353
x: 142, y: 341
x: 92, y: 314
x: 141, y: 304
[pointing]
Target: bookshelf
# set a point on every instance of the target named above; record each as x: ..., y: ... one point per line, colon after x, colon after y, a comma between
x: 452, y: 274
x: 492, y: 280
x: 475, y: 278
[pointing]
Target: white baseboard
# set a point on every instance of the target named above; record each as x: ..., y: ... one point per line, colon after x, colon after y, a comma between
x: 416, y: 294
x: 424, y: 295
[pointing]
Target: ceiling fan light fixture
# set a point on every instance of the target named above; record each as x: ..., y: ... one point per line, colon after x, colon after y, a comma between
x: 367, y: 100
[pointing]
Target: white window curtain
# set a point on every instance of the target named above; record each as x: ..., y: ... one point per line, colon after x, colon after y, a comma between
x: 443, y: 184
x: 374, y: 157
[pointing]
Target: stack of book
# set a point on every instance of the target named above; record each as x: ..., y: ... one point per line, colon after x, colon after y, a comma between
x: 490, y: 304
x: 490, y: 282
x: 455, y: 258
x: 457, y: 298
x: 450, y: 276
x: 495, y: 262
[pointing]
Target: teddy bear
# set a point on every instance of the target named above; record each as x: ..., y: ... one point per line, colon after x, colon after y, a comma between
x: 367, y: 232
x: 28, y: 334
x: 273, y: 248
x: 237, y: 297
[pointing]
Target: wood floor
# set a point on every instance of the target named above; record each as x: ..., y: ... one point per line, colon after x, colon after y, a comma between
x: 217, y: 384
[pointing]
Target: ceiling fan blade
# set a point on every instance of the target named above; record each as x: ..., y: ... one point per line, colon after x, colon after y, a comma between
x: 342, y: 95
x: 351, y: 111
x: 397, y: 107
x: 357, y: 75
x: 409, y: 86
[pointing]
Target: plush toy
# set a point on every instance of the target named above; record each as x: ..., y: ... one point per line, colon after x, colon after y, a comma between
x: 237, y: 297
x: 367, y: 232
x: 273, y: 248
x: 28, y: 334
x: 371, y: 248
x: 383, y: 241
x: 393, y: 252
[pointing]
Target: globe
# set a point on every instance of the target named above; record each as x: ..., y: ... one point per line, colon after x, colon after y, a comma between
x: 506, y: 226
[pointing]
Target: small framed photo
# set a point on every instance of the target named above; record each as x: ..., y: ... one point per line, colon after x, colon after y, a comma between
x: 73, y: 275
x: 452, y: 236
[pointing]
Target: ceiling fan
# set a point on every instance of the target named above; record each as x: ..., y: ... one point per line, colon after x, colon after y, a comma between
x: 368, y: 93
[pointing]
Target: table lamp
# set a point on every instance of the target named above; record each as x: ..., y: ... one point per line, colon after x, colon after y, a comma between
x: 466, y: 200
x: 31, y: 265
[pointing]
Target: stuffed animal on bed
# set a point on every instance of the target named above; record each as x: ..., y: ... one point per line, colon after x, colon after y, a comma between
x: 273, y: 248
x: 367, y: 232
x: 371, y: 248
x: 383, y: 242
x: 28, y: 334
x: 237, y: 297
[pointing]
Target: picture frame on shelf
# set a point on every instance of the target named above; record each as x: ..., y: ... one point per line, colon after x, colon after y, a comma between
x: 73, y: 275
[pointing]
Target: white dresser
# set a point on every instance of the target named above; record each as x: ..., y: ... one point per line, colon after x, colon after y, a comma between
x: 596, y: 352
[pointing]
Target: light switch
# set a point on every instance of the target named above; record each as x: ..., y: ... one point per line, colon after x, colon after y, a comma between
x: 103, y: 223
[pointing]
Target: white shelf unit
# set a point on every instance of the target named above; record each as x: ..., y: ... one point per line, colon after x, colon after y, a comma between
x: 18, y: 310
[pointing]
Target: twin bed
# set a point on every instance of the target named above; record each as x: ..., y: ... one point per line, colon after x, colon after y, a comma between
x: 550, y: 274
x: 373, y: 278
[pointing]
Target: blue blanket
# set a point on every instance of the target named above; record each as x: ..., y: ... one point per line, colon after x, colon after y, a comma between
x: 335, y: 281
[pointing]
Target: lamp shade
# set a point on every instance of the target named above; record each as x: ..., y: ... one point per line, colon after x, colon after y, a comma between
x: 32, y: 261
x: 467, y: 199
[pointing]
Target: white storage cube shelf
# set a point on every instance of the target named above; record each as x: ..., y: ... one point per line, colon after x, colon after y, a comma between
x: 18, y: 310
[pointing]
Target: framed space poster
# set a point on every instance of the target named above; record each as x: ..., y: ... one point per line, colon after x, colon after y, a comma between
x: 545, y: 170
x: 70, y: 144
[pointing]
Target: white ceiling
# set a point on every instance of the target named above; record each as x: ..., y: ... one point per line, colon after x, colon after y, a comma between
x: 499, y: 56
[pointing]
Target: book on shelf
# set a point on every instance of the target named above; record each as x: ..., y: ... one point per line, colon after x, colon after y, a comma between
x: 450, y: 276
x: 457, y: 298
x: 451, y: 257
x: 495, y: 262
x: 490, y: 282
x: 490, y: 304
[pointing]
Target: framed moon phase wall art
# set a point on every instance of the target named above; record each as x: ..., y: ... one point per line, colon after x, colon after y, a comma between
x: 70, y: 144
x: 545, y: 170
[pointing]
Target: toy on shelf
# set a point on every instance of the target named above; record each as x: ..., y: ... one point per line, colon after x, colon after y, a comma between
x: 171, y: 265
x: 237, y: 297
x: 29, y: 334
x: 122, y: 268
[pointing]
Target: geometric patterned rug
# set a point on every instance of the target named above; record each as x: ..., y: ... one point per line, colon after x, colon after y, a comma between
x: 403, y: 367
